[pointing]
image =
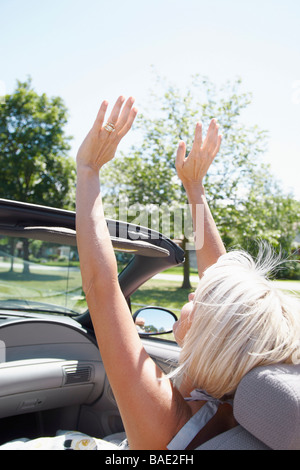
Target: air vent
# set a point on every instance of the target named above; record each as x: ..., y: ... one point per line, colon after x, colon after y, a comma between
x: 77, y: 374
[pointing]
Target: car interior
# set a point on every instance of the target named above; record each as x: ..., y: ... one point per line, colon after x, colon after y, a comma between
x: 51, y: 373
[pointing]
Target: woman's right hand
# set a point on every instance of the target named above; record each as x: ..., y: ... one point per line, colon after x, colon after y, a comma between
x: 100, y: 145
x: 192, y: 169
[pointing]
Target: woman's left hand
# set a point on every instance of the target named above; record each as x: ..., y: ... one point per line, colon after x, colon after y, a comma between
x: 193, y: 168
x: 101, y: 143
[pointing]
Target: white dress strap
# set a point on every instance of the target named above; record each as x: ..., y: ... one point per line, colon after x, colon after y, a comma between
x: 190, y: 430
x: 198, y: 394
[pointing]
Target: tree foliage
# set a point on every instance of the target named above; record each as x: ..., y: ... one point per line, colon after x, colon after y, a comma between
x: 34, y: 163
x: 246, y: 201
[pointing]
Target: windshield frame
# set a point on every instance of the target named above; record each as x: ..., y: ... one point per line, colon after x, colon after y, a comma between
x: 151, y: 252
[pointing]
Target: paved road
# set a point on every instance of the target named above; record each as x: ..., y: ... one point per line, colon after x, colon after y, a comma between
x: 38, y: 267
x: 293, y: 285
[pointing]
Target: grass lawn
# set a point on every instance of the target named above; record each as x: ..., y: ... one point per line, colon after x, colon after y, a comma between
x: 55, y: 285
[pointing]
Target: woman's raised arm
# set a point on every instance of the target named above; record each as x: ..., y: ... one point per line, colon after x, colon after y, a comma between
x: 144, y: 401
x: 192, y: 170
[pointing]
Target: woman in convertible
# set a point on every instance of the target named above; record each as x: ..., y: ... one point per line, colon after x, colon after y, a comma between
x: 235, y: 321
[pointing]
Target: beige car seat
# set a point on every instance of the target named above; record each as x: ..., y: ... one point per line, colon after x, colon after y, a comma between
x: 267, y: 408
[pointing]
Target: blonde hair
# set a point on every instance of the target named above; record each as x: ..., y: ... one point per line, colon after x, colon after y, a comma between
x: 240, y: 320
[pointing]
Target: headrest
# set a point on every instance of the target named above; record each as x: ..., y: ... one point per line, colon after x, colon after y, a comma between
x: 267, y: 404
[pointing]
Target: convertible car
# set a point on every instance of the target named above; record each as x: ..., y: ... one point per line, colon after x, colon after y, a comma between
x: 51, y: 373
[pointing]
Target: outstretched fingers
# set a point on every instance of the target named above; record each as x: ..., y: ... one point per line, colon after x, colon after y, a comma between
x: 198, y: 136
x: 100, y: 116
x: 128, y: 123
x: 125, y: 113
x: 212, y: 134
x: 213, y: 140
x: 114, y: 115
x: 219, y: 141
x: 126, y: 118
x: 180, y: 156
x: 120, y: 120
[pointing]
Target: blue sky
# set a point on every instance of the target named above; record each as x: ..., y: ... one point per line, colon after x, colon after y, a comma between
x: 87, y: 51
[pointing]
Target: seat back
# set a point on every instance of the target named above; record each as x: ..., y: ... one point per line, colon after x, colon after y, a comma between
x: 267, y: 408
x: 267, y: 405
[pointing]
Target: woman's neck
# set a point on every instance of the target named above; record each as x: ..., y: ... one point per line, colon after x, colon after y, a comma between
x: 186, y: 387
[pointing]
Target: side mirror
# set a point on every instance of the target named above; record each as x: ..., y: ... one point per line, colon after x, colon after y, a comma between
x: 154, y: 321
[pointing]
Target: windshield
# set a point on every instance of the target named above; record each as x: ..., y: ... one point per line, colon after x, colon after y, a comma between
x: 40, y: 276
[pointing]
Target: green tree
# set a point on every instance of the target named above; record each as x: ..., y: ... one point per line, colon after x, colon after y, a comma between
x: 147, y: 175
x: 34, y: 164
x: 273, y: 216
